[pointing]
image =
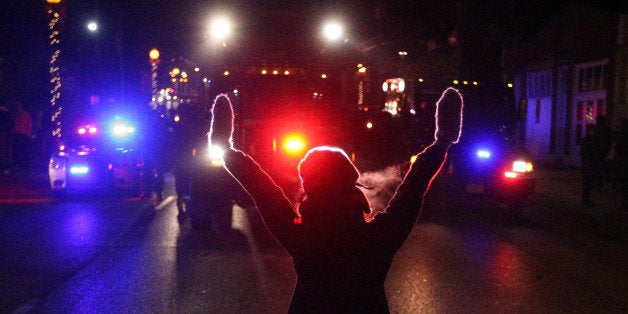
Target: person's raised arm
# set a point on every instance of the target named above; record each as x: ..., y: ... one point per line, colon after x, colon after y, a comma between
x: 404, y: 207
x: 276, y: 209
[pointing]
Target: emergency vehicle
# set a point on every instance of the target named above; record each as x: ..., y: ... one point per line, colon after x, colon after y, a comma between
x: 280, y: 113
x: 100, y: 150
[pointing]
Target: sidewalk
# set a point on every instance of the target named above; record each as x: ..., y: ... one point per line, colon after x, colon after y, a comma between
x: 22, y: 185
x: 564, y: 186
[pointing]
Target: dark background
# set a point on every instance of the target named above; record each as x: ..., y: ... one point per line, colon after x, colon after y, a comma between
x: 114, y: 60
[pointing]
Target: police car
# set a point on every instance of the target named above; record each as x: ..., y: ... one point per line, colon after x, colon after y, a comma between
x: 489, y: 163
x: 98, y: 152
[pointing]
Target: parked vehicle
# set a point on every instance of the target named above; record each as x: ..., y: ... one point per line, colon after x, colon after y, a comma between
x: 488, y: 160
x: 490, y: 164
x: 100, y: 151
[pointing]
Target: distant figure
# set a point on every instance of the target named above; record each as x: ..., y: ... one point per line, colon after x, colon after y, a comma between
x: 156, y: 185
x: 621, y: 149
x: 21, y: 135
x: 341, y: 260
x: 182, y: 151
x: 593, y: 152
x: 606, y: 138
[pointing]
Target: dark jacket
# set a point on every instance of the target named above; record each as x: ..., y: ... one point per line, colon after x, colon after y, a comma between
x: 340, y: 268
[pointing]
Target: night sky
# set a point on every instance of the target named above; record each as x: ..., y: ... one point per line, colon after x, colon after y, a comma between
x: 129, y: 29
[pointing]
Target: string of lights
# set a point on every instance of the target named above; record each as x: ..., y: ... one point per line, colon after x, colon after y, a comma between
x: 55, y: 75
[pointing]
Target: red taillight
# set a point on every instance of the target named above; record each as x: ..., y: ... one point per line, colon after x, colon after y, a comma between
x: 87, y: 129
x: 294, y: 145
x: 510, y: 174
x: 519, y: 167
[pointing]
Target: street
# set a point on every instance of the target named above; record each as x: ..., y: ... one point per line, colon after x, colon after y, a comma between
x: 465, y: 254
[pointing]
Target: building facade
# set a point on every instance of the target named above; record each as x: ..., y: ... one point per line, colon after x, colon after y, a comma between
x: 565, y: 79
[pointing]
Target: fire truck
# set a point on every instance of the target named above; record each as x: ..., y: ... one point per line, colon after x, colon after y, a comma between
x: 280, y: 113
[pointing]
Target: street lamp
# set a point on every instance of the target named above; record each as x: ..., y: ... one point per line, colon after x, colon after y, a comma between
x: 333, y: 31
x: 221, y: 29
x: 153, y: 57
x: 92, y: 26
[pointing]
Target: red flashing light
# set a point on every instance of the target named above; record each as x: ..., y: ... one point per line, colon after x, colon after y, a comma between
x: 294, y: 144
x: 87, y: 129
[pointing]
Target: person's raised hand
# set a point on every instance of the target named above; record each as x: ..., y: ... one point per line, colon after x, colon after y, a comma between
x: 449, y: 116
x: 221, y: 127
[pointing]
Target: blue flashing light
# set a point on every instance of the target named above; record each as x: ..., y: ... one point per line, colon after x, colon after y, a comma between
x: 79, y: 170
x: 483, y: 154
x: 121, y: 129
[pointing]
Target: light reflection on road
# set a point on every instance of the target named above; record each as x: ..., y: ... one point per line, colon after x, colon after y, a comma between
x: 440, y: 264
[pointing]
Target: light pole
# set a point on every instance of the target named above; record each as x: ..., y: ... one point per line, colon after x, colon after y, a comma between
x: 153, y: 59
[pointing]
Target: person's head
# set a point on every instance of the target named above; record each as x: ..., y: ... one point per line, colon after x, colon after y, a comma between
x: 327, y: 170
x: 329, y: 179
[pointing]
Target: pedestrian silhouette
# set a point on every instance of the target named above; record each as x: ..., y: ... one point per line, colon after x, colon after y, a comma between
x: 22, y: 131
x: 593, y: 152
x: 621, y: 148
x: 340, y: 259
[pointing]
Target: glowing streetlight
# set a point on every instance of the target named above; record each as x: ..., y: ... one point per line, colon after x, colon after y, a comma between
x: 153, y: 60
x: 92, y: 26
x: 221, y: 29
x: 333, y: 31
x: 153, y: 54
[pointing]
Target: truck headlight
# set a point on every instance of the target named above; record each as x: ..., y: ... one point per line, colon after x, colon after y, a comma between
x: 215, y: 154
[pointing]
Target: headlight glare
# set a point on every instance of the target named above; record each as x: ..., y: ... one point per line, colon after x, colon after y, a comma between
x: 522, y: 166
x: 215, y: 154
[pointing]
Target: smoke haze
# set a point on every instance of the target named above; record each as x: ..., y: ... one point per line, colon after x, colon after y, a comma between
x: 384, y: 183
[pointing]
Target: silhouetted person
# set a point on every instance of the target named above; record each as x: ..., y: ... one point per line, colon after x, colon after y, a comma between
x: 22, y: 131
x: 156, y: 184
x: 621, y: 149
x: 606, y: 139
x: 183, y: 144
x: 341, y: 260
x: 593, y: 153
